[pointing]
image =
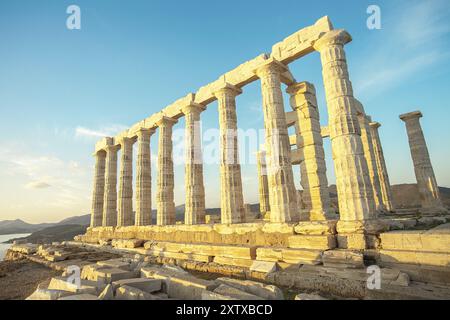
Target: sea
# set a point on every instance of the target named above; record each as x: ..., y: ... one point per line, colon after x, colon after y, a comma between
x: 5, y: 237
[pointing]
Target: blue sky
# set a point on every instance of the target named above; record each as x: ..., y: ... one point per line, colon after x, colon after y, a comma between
x: 60, y: 88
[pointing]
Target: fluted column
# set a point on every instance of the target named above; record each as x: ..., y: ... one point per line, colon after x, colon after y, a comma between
x: 264, y: 205
x: 369, y: 154
x: 231, y: 196
x: 316, y: 196
x: 383, y: 176
x: 144, y: 179
x: 426, y: 180
x: 282, y: 192
x: 165, y: 196
x: 353, y: 183
x: 125, y: 200
x: 110, y: 196
x: 98, y: 189
x: 193, y: 177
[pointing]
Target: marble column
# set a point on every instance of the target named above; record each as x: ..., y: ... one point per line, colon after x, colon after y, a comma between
x: 426, y: 180
x: 165, y: 196
x: 110, y: 195
x: 231, y: 196
x: 125, y: 200
x: 264, y: 205
x: 369, y: 154
x: 282, y: 192
x: 352, y: 180
x: 144, y: 179
x: 98, y: 189
x: 316, y: 196
x: 193, y: 177
x: 383, y: 177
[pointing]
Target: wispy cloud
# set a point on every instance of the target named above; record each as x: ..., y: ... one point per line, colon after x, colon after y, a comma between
x: 411, y: 43
x: 99, y: 132
x: 37, y: 185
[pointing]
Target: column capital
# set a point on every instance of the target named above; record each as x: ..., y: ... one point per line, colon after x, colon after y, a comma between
x: 99, y: 153
x: 145, y: 132
x: 192, y: 107
x: 301, y: 88
x: 227, y: 88
x: 270, y: 65
x: 411, y: 115
x: 111, y: 148
x: 125, y: 140
x: 375, y: 125
x: 333, y: 37
x: 164, y: 121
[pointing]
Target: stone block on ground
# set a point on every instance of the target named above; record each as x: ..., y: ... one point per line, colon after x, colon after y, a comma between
x: 62, y: 283
x: 107, y: 293
x: 209, y: 295
x: 265, y: 291
x: 130, y: 293
x: 115, y: 263
x: 289, y: 255
x: 144, y: 284
x: 46, y: 294
x: 264, y: 266
x: 232, y: 292
x: 127, y: 243
x: 312, y: 242
x: 343, y: 259
x: 83, y: 296
x: 246, y: 263
x: 308, y: 296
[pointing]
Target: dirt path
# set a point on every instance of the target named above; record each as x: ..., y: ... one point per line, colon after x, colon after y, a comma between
x: 18, y: 279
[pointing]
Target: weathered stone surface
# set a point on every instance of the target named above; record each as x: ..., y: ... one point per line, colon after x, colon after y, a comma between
x: 105, y: 274
x: 416, y: 240
x: 315, y: 227
x: 312, y: 242
x: 130, y: 293
x: 46, y: 294
x: 144, y: 284
x: 127, y: 243
x: 62, y: 283
x: 83, y: 296
x: 107, y: 293
x: 303, y: 256
x: 343, y: 259
x: 115, y: 263
x: 232, y: 292
x: 247, y: 263
x: 264, y: 266
x: 26, y: 248
x: 440, y: 259
x: 269, y: 292
x: 308, y: 296
x: 209, y: 295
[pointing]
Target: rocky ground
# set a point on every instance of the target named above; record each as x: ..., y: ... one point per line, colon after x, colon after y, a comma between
x: 19, y: 279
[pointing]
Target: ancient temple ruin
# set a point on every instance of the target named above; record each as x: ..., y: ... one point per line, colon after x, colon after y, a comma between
x: 290, y: 231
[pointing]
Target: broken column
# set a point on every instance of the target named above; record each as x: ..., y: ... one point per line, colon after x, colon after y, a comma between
x: 355, y: 194
x: 195, y: 191
x: 426, y: 180
x: 316, y: 196
x: 144, y: 179
x: 110, y: 196
x: 98, y: 189
x: 386, y: 191
x: 125, y: 201
x: 231, y: 196
x: 165, y: 197
x: 264, y: 205
x: 282, y: 195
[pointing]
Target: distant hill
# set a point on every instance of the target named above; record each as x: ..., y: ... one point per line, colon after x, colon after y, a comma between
x: 56, y: 233
x: 407, y: 195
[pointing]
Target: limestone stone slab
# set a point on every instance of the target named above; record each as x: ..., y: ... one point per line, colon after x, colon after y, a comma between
x: 144, y: 284
x: 416, y: 257
x: 115, y: 263
x: 209, y: 295
x: 107, y: 293
x: 130, y: 293
x: 232, y: 292
x: 288, y: 255
x: 315, y: 227
x: 62, y: 283
x: 83, y: 296
x: 180, y: 255
x: 416, y: 240
x: 308, y: 296
x: 265, y: 291
x: 127, y: 243
x: 343, y: 259
x: 312, y: 241
x: 46, y: 294
x: 247, y: 263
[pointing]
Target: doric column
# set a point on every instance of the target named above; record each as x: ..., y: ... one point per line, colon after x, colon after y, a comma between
x: 231, y: 197
x: 144, y: 179
x: 316, y: 196
x: 193, y: 177
x: 282, y: 192
x: 98, y: 189
x: 353, y: 183
x: 125, y: 200
x: 264, y: 205
x: 110, y: 196
x: 165, y: 202
x: 369, y: 154
x: 383, y: 176
x: 426, y: 180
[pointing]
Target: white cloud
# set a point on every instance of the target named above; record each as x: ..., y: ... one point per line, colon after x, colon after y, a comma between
x: 106, y: 131
x: 37, y: 185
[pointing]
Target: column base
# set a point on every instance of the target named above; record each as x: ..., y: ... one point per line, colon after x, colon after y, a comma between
x: 359, y: 234
x: 433, y: 211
